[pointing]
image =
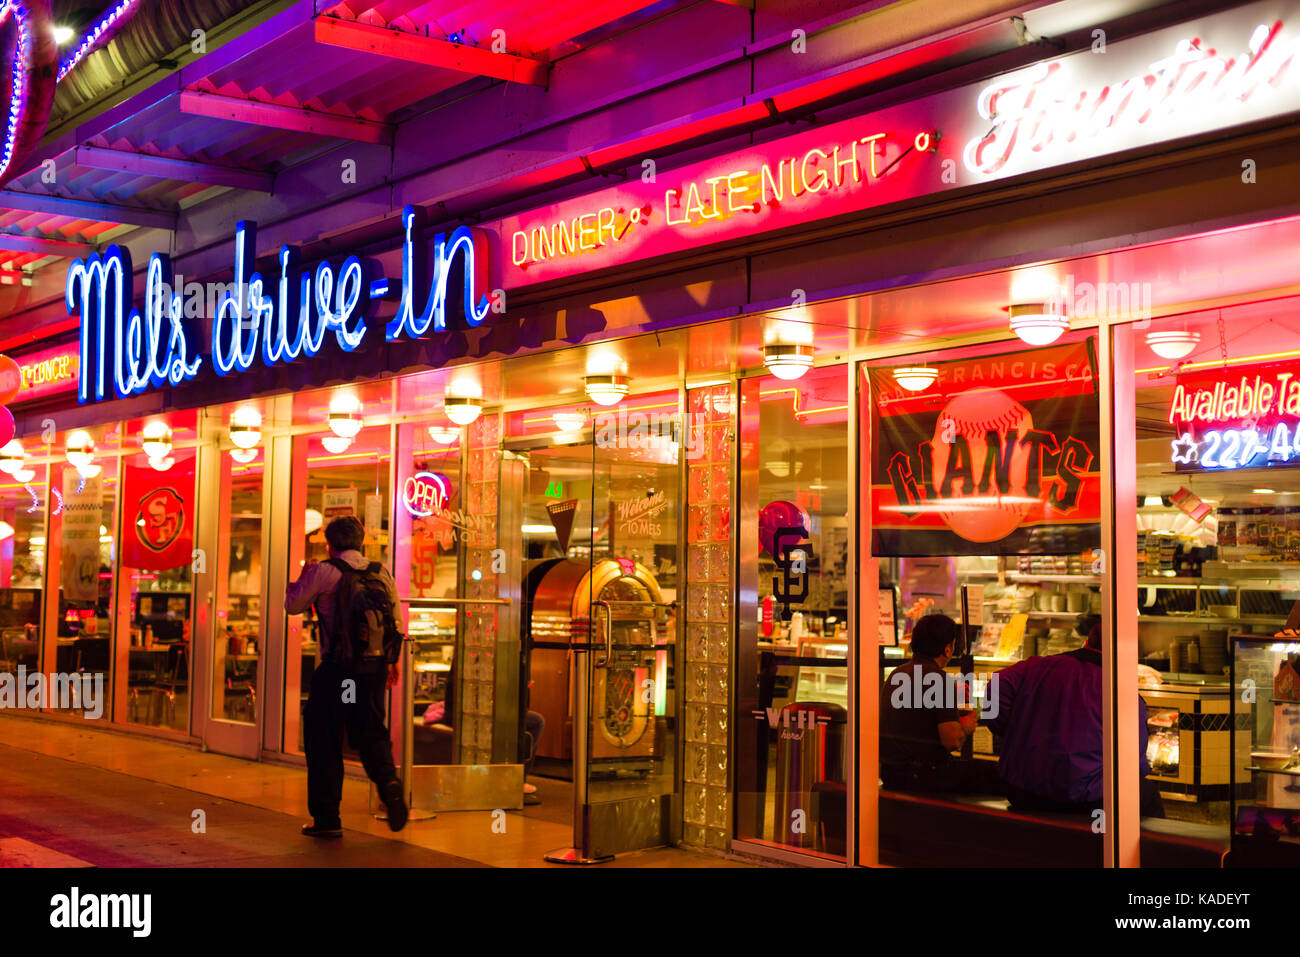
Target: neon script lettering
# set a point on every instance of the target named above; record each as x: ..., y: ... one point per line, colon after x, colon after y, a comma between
x: 144, y: 354
x: 433, y: 317
x: 277, y: 319
x: 1035, y: 110
x: 312, y: 303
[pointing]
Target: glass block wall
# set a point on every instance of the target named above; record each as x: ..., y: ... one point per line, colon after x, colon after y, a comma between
x: 709, y: 627
x: 477, y: 668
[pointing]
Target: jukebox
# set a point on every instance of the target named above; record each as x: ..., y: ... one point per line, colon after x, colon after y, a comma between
x: 614, y: 609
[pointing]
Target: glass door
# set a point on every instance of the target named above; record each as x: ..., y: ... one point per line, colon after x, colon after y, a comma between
x: 613, y: 534
x: 237, y: 620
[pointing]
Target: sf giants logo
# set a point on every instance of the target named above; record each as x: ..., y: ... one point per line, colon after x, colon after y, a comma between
x: 161, y: 517
x: 791, y: 587
x: 988, y: 468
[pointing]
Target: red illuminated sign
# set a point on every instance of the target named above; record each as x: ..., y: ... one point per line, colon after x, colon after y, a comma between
x: 48, y: 372
x: 425, y: 493
x: 1232, y: 419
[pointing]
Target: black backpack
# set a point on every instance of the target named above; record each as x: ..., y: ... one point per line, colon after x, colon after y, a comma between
x: 365, y: 618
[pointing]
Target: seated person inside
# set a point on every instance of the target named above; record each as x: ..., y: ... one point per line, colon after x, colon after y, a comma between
x: 1048, y: 715
x: 919, y: 730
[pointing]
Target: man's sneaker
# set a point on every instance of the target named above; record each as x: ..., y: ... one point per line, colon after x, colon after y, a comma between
x: 530, y: 788
x: 394, y: 797
x: 315, y: 830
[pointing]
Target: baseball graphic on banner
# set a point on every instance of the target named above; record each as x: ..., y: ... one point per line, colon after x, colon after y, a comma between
x: 960, y: 452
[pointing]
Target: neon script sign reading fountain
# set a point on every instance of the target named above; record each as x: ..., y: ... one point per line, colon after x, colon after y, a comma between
x: 1038, y: 113
x: 279, y: 319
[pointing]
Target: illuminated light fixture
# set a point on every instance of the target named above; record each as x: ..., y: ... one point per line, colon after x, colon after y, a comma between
x: 343, y: 416
x: 462, y: 409
x: 63, y: 34
x: 25, y: 475
x: 156, y: 439
x: 80, y: 449
x: 89, y: 471
x: 1036, y: 324
x: 243, y: 455
x: 606, y: 388
x: 312, y: 521
x: 161, y: 463
x: 787, y: 360
x: 336, y: 443
x: 11, y: 458
x: 1174, y: 343
x: 569, y: 421
x: 916, y: 378
x: 246, y: 427
x: 443, y: 434
x: 1263, y: 491
x: 1153, y: 501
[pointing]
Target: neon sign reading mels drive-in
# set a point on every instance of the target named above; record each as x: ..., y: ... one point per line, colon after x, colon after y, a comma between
x: 277, y: 318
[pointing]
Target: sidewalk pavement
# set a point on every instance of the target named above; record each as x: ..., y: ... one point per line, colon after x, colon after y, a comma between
x: 107, y: 799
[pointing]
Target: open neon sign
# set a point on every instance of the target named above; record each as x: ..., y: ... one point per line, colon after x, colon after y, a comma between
x: 1246, y: 421
x: 277, y: 319
x: 425, y: 493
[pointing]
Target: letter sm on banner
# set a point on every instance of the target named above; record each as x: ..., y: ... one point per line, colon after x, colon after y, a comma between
x: 158, y: 517
x: 999, y: 456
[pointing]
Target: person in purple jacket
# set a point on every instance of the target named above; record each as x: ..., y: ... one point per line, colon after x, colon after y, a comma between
x: 1049, y: 718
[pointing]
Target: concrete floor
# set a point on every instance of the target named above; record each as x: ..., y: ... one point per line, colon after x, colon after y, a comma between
x: 73, y: 795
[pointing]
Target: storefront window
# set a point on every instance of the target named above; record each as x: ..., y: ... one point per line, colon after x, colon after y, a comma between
x: 155, y: 611
x: 83, y: 511
x: 340, y: 468
x: 22, y: 561
x: 236, y: 652
x: 1218, y: 565
x: 793, y: 659
x: 985, y: 506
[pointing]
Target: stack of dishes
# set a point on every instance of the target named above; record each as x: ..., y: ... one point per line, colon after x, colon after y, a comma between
x: 1214, y: 650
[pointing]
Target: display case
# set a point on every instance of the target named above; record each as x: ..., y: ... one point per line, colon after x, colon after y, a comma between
x: 1265, y: 791
x: 432, y: 631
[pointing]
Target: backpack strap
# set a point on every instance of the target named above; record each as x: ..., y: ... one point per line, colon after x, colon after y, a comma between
x: 345, y: 569
x: 373, y: 568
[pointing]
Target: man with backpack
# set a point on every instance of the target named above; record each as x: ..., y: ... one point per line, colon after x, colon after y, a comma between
x: 357, y: 605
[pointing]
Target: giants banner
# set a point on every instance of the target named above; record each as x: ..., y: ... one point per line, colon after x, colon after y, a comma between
x: 998, y: 456
x: 159, y: 513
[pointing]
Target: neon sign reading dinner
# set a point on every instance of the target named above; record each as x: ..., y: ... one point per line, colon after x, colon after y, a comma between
x: 697, y: 201
x: 276, y: 319
x: 1036, y: 112
x: 1247, y: 421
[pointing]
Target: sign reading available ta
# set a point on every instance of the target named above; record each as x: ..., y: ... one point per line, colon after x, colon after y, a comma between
x: 1247, y: 417
x: 998, y: 456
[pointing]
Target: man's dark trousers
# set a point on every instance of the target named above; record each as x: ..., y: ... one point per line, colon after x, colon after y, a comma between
x: 325, y: 720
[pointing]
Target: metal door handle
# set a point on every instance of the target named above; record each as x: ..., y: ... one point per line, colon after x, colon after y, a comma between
x: 609, y: 633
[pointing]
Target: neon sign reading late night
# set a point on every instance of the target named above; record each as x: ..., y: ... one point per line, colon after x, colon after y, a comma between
x: 1242, y: 421
x: 719, y: 195
x: 277, y: 319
